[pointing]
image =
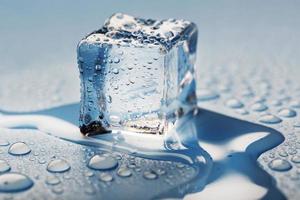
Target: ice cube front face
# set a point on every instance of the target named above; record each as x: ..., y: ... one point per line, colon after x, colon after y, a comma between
x: 137, y: 75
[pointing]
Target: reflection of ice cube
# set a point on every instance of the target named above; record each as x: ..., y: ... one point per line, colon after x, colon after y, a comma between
x: 137, y: 74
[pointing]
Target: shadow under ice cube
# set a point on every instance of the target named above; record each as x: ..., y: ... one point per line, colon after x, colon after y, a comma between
x: 137, y: 74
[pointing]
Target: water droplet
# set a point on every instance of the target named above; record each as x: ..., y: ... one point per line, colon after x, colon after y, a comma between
x: 279, y: 164
x: 105, y: 177
x: 259, y: 107
x: 57, y: 190
x: 88, y: 174
x: 241, y: 111
x: 286, y: 112
x: 52, y: 180
x: 89, y: 191
x: 100, y: 162
x: 206, y: 95
x: 19, y: 148
x: 115, y: 71
x: 124, y: 172
x: 14, y: 182
x: 4, y: 142
x: 296, y: 159
x: 180, y: 165
x: 295, y: 104
x: 297, y: 125
x: 114, y: 120
x: 4, y: 166
x: 160, y: 171
x: 269, y: 119
x: 150, y: 175
x: 58, y: 166
x: 234, y: 103
x: 276, y: 103
x: 116, y: 60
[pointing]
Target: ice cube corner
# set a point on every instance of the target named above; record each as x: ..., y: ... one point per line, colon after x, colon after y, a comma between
x: 137, y: 74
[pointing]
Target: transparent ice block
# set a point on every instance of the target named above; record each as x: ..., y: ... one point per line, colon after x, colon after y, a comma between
x: 137, y: 74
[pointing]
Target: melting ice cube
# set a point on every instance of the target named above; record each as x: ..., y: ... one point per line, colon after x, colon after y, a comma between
x: 137, y: 74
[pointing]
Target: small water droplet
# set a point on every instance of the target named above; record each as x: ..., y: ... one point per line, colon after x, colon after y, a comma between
x: 58, y: 166
x: 296, y: 159
x: 160, y: 171
x: 269, y: 119
x: 124, y: 172
x: 19, y: 148
x: 14, y: 182
x: 206, y: 95
x: 4, y: 142
x: 114, y: 120
x: 115, y: 71
x: 105, y: 177
x: 286, y: 112
x: 4, y: 166
x: 295, y: 104
x: 89, y: 191
x: 297, y: 125
x: 116, y: 60
x: 52, y: 180
x: 88, y: 174
x: 279, y: 164
x: 58, y: 189
x: 150, y: 175
x: 180, y: 165
x: 100, y: 162
x: 259, y: 107
x: 234, y: 103
x: 242, y: 111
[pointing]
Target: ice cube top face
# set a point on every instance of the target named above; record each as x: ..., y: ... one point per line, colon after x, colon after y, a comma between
x: 137, y: 74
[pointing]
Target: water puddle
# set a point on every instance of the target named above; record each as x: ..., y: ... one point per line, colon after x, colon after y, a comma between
x: 226, y: 162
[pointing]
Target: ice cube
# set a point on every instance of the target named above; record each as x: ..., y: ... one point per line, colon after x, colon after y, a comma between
x: 137, y: 74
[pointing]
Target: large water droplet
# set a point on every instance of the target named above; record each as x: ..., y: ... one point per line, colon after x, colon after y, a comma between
x: 100, y: 162
x: 4, y: 142
x: 269, y: 119
x: 124, y: 172
x: 279, y: 164
x: 4, y: 166
x: 58, y: 166
x: 105, y: 177
x: 150, y: 175
x: 19, y: 148
x: 234, y: 103
x: 286, y: 112
x: 14, y: 182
